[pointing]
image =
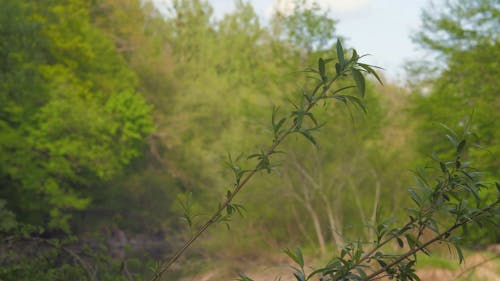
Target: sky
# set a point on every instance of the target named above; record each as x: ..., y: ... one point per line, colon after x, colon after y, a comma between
x: 381, y: 28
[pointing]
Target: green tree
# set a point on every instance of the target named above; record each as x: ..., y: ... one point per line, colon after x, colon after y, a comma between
x: 70, y: 111
x: 464, y: 92
x: 459, y: 25
x: 466, y: 34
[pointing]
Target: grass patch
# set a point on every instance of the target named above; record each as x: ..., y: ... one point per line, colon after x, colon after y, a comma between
x: 434, y: 261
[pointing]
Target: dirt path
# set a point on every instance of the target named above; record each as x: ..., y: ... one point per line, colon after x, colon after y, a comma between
x: 477, y: 267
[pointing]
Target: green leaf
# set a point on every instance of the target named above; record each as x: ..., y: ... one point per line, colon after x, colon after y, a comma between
x: 309, y: 69
x: 256, y: 155
x: 381, y: 262
x: 340, y: 90
x: 460, y: 147
x: 400, y: 242
x: 341, y: 98
x: 414, y: 196
x: 311, y: 116
x: 411, y: 240
x: 300, y: 257
x: 243, y: 277
x: 443, y: 167
x: 299, y: 275
x: 321, y: 68
x: 280, y: 123
x: 371, y: 71
x: 338, y: 68
x: 355, y: 56
x: 308, y: 136
x: 357, y: 102
x: 297, y: 257
x: 276, y: 126
x: 360, y: 81
x: 340, y: 53
x: 459, y: 253
x: 239, y: 208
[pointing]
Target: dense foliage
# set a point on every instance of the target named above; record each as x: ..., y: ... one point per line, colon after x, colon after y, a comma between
x: 71, y: 112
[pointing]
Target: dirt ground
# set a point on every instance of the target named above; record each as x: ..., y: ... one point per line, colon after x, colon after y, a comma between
x: 477, y: 267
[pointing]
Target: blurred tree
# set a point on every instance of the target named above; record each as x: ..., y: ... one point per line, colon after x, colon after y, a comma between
x: 306, y: 27
x: 70, y: 110
x: 464, y: 94
x: 459, y: 25
x: 467, y: 35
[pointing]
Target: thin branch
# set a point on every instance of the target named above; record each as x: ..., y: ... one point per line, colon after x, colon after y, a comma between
x: 426, y: 244
x: 88, y: 270
x: 164, y: 267
x: 390, y: 238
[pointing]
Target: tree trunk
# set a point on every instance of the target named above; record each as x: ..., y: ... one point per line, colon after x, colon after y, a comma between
x: 317, y: 228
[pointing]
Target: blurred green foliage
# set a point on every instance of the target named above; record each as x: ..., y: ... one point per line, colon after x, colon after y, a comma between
x: 463, y: 92
x: 71, y: 113
x: 110, y: 111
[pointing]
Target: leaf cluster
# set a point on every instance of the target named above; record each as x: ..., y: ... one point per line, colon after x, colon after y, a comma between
x: 445, y: 202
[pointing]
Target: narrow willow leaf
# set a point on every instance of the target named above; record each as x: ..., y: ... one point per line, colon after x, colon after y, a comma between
x: 357, y: 102
x: 309, y: 69
x: 240, y: 209
x: 309, y: 137
x: 341, y: 98
x: 256, y: 155
x: 411, y: 241
x: 300, y: 257
x: 371, y: 71
x: 382, y: 263
x: 355, y: 56
x: 311, y: 116
x: 360, y: 81
x: 273, y: 115
x: 460, y: 147
x: 243, y: 277
x: 400, y: 242
x: 455, y: 136
x: 414, y: 196
x: 443, y: 167
x: 361, y: 272
x: 459, y: 253
x: 452, y: 140
x: 321, y: 68
x: 340, y: 53
x: 341, y: 89
x: 296, y: 257
x: 299, y: 275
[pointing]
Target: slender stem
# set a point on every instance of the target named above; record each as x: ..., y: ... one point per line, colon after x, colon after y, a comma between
x: 216, y: 215
x: 403, y: 230
x: 423, y: 246
x: 165, y: 266
x: 425, y: 212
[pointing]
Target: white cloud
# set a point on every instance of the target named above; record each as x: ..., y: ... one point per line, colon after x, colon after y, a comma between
x: 336, y: 6
x: 344, y: 5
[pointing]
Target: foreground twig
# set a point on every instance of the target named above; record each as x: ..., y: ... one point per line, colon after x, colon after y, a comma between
x: 426, y: 244
x: 309, y: 101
